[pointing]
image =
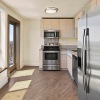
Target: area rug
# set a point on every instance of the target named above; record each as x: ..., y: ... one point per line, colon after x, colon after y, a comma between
x: 23, y: 73
x: 20, y: 85
x: 16, y: 95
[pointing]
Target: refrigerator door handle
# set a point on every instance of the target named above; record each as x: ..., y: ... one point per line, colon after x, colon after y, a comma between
x: 83, y: 60
x: 88, y: 70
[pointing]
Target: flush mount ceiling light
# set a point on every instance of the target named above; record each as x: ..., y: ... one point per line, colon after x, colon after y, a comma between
x: 51, y: 10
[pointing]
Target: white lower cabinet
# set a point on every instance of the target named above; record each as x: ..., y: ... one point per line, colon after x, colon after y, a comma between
x: 3, y: 78
x: 66, y: 61
x: 63, y: 60
x: 40, y: 59
x: 69, y: 64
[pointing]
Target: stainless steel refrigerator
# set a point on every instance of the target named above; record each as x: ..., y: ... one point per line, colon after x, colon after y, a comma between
x: 89, y: 56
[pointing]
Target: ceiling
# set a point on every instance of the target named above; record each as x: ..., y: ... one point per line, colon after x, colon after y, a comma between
x: 33, y: 9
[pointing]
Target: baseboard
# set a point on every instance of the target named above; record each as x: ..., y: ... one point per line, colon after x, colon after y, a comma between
x: 60, y: 69
x: 29, y: 66
x: 40, y: 68
x: 12, y: 72
x: 63, y: 69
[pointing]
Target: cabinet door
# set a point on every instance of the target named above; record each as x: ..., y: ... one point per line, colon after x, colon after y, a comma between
x: 98, y: 2
x: 79, y: 15
x: 69, y: 64
x: 69, y: 28
x: 76, y: 21
x: 63, y: 61
x: 55, y: 24
x: 76, y: 26
x: 93, y: 4
x: 76, y: 32
x: 62, y: 28
x: 47, y: 24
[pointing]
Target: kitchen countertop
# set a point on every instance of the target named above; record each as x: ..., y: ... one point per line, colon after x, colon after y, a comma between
x: 69, y: 51
x: 64, y: 47
x: 72, y: 52
x: 66, y: 50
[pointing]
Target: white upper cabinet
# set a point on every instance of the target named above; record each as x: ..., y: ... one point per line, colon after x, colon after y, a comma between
x: 70, y: 28
x: 55, y: 24
x: 62, y: 28
x: 65, y: 26
x: 98, y: 2
x: 51, y: 24
x: 47, y: 24
x: 76, y: 21
x: 93, y: 4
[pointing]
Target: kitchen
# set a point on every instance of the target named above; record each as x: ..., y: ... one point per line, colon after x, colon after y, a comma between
x: 33, y: 43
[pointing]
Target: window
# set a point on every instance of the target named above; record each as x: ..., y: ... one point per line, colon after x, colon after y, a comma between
x: 11, y: 44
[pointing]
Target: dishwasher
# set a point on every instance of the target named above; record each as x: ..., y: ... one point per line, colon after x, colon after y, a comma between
x: 74, y: 68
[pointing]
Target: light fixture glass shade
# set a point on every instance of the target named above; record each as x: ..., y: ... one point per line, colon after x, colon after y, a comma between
x: 51, y: 10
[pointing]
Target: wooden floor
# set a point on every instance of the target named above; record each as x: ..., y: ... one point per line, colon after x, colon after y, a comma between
x: 46, y: 85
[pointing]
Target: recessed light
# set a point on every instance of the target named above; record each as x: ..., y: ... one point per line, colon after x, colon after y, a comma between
x: 51, y: 10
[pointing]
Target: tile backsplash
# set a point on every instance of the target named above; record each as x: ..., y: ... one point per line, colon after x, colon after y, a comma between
x: 47, y: 41
x: 69, y: 47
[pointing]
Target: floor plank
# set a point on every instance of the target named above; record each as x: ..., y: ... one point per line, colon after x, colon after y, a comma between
x: 46, y: 85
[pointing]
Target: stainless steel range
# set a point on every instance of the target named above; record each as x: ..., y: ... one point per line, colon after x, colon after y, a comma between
x: 51, y: 51
x: 51, y: 58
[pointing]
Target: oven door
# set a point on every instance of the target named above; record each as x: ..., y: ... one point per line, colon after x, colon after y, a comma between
x: 51, y: 58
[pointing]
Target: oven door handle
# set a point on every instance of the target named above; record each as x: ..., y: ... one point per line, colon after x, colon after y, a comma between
x: 51, y: 51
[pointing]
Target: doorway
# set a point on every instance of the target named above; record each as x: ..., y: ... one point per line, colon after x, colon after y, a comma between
x: 13, y: 44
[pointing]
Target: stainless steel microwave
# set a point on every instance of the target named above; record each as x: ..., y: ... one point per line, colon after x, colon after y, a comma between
x: 51, y: 33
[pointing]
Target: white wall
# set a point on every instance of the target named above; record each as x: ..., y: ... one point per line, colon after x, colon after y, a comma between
x: 32, y: 42
x: 12, y: 13
x: 30, y: 39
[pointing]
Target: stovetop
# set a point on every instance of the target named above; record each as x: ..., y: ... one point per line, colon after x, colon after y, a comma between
x: 51, y: 48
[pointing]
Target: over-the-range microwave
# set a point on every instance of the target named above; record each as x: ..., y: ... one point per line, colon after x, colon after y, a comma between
x: 51, y: 33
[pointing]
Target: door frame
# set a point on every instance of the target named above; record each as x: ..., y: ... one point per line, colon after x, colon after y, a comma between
x: 16, y: 43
